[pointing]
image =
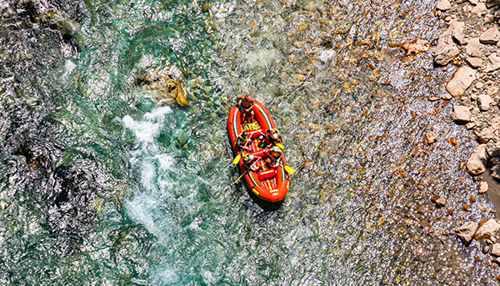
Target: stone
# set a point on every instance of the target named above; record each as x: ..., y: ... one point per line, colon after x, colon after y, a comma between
x: 462, y: 79
x: 491, y: 3
x: 483, y: 187
x: 479, y: 85
x: 416, y: 47
x: 474, y: 62
x: 473, y: 2
x: 466, y: 231
x: 479, y: 9
x: 485, y: 136
x: 430, y: 137
x: 446, y: 96
x: 439, y: 200
x: 166, y: 83
x: 495, y: 63
x: 490, y: 36
x: 476, y: 164
x: 456, y: 31
x: 461, y: 113
x: 474, y: 48
x: 495, y: 172
x: 493, y: 149
x: 446, y: 50
x: 443, y: 5
x: 484, y: 101
x: 486, y: 229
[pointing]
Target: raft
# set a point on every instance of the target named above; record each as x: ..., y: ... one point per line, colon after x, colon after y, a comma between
x: 269, y: 184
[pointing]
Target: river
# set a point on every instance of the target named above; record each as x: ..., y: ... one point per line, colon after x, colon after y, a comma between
x: 96, y: 191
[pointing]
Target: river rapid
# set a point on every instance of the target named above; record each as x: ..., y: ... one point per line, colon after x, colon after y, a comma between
x: 97, y: 190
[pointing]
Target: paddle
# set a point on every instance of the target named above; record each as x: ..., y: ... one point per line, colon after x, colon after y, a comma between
x: 240, y: 177
x: 237, y: 159
x: 289, y: 170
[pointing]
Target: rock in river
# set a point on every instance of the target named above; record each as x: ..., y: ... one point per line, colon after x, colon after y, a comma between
x: 486, y: 229
x: 495, y: 63
x: 476, y: 164
x: 462, y: 79
x: 485, y: 135
x: 430, y: 137
x: 466, y: 231
x: 461, y: 113
x: 495, y: 249
x: 167, y: 83
x: 416, y: 47
x: 439, y: 200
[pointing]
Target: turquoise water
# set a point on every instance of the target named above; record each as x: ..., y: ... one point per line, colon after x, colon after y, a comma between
x: 98, y: 190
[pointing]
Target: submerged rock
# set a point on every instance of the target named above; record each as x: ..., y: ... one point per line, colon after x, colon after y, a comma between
x: 466, y: 231
x: 168, y: 84
x: 486, y: 229
x: 439, y: 200
x: 476, y: 164
x: 430, y: 137
x: 416, y: 47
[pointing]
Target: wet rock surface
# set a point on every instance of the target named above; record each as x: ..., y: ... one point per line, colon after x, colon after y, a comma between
x: 466, y: 231
x: 167, y: 83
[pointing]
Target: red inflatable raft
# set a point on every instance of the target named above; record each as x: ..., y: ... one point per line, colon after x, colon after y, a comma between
x: 270, y: 184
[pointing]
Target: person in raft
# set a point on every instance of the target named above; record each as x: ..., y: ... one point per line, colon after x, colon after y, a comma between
x: 250, y: 162
x: 273, y: 137
x: 245, y: 104
x: 243, y: 141
x: 275, y: 157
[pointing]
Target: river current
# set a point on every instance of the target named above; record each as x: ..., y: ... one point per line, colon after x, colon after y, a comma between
x: 96, y: 190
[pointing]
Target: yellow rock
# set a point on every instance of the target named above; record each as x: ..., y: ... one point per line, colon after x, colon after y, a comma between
x: 300, y: 77
x: 168, y: 84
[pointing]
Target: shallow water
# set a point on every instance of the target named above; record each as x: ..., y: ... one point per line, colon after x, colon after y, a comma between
x: 97, y: 192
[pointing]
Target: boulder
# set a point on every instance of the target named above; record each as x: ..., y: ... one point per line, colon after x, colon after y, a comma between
x: 490, y: 36
x: 430, y: 137
x: 495, y: 249
x: 446, y: 50
x: 485, y: 135
x: 474, y: 48
x: 462, y: 79
x: 443, y: 5
x: 474, y: 62
x: 495, y: 63
x: 473, y: 2
x: 416, y: 47
x: 484, y: 101
x: 486, y: 229
x: 483, y: 187
x: 166, y: 83
x: 476, y: 164
x: 461, y: 113
x: 456, y: 31
x: 466, y: 231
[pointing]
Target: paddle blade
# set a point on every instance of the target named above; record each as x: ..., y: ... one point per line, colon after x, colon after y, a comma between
x: 281, y: 146
x: 237, y: 159
x: 224, y: 98
x: 289, y: 170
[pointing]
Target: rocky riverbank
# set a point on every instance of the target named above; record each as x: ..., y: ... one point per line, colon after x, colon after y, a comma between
x: 471, y: 42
